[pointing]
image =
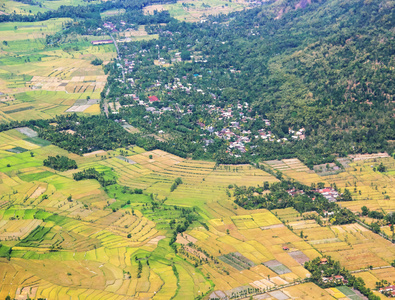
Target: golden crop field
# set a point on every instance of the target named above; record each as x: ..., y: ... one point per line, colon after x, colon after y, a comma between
x: 372, y: 189
x: 88, y: 246
x: 50, y: 81
x: 195, y: 10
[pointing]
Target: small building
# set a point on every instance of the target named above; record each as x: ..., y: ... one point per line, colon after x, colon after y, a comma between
x: 102, y: 42
x: 153, y: 99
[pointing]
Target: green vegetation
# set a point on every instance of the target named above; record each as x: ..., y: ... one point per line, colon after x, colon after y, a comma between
x: 176, y: 183
x: 183, y: 146
x: 60, y: 163
x: 330, y: 269
x: 91, y: 173
x: 97, y: 62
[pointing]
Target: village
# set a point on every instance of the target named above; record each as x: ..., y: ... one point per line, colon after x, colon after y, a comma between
x: 232, y: 116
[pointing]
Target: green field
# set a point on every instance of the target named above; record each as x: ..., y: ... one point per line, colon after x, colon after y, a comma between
x: 38, y: 81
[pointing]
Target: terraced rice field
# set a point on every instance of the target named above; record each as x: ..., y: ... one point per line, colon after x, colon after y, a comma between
x: 91, y: 246
x: 43, y: 82
x: 294, y: 168
x: 372, y: 189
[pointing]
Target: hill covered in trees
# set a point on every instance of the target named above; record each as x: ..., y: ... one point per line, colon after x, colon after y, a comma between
x: 326, y: 67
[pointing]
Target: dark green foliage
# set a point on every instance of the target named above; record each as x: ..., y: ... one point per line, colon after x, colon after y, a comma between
x: 302, y: 201
x: 319, y: 270
x: 185, y: 55
x: 372, y: 214
x: 381, y: 168
x: 176, y: 183
x: 140, y: 269
x: 346, y: 195
x: 91, y: 12
x: 318, y: 67
x: 60, y: 163
x: 97, y: 62
x: 92, y: 173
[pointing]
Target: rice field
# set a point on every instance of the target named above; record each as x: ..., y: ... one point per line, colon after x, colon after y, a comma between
x: 294, y: 168
x: 78, y: 248
x: 52, y: 80
x: 195, y: 10
x: 105, y: 243
x: 372, y: 189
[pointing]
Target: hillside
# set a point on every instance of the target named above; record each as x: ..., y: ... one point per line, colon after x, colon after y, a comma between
x: 327, y: 68
x: 192, y: 149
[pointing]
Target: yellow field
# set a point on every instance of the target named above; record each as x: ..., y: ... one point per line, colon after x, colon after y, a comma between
x: 373, y: 189
x: 48, y: 82
x: 195, y: 10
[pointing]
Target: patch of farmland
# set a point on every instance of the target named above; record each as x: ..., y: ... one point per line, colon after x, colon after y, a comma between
x: 350, y: 293
x: 336, y: 293
x: 28, y: 132
x: 279, y: 295
x: 82, y: 104
x: 277, y: 165
x: 17, y: 150
x: 372, y: 189
x: 288, y: 214
x: 296, y: 165
x: 13, y: 276
x: 299, y: 256
x: 327, y: 169
x: 358, y: 157
x: 352, y: 245
x: 306, y: 291
x: 277, y: 267
x: 17, y: 229
x: 236, y: 260
x: 303, y: 224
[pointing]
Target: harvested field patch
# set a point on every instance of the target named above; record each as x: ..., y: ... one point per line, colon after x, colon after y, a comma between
x: 277, y: 267
x: 236, y: 260
x: 28, y: 132
x: 299, y: 256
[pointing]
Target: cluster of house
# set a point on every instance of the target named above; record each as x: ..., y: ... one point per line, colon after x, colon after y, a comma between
x: 299, y: 134
x: 388, y: 291
x: 337, y: 279
x: 110, y: 26
x: 129, y: 65
x: 293, y: 192
x: 329, y: 193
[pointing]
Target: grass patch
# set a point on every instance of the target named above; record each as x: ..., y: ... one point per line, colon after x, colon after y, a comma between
x: 17, y: 150
x: 35, y: 176
x: 38, y: 141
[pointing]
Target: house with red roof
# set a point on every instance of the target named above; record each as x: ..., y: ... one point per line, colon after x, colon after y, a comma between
x: 153, y: 99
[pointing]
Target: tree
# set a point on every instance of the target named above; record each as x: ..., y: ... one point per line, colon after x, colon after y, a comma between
x: 185, y: 55
x: 97, y: 62
x: 365, y: 210
x: 346, y: 195
x: 266, y: 185
x: 381, y: 168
